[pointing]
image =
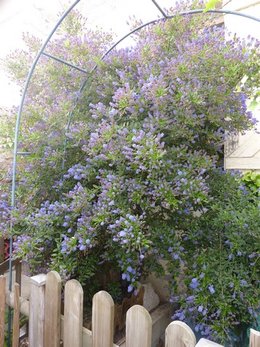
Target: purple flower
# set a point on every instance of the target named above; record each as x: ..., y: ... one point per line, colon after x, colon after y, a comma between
x: 180, y: 315
x: 211, y: 289
x: 190, y: 299
x: 243, y: 283
x: 194, y: 283
x: 200, y: 308
x: 130, y: 288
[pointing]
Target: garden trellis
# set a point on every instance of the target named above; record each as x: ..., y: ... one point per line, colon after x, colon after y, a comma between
x: 42, y: 52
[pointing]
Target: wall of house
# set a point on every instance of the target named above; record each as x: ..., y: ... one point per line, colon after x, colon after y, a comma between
x: 243, y: 151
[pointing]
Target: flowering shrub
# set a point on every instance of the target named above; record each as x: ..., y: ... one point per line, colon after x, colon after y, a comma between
x: 140, y: 178
x: 221, y: 256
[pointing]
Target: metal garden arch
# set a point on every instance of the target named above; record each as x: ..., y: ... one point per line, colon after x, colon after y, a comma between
x: 42, y: 52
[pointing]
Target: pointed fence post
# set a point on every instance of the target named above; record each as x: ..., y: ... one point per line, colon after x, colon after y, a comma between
x: 36, y: 314
x: 16, y: 317
x: 2, y: 309
x: 138, y: 327
x: 52, y: 328
x: 254, y: 338
x: 179, y: 334
x: 103, y: 310
x: 73, y: 314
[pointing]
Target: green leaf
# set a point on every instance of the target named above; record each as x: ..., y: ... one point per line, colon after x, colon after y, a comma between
x: 254, y: 104
x: 211, y: 4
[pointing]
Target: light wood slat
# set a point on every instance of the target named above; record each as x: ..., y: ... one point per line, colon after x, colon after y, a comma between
x: 24, y: 303
x: 138, y: 327
x: 2, y: 310
x: 18, y: 274
x: 254, y: 338
x: 179, y: 334
x: 86, y: 334
x: 102, y: 320
x: 16, y: 317
x: 52, y: 310
x: 36, y: 313
x: 73, y: 314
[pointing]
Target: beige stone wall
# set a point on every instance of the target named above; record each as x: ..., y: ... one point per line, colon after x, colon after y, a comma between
x: 245, y: 154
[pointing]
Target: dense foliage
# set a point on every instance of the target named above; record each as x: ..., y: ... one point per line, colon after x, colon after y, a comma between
x: 252, y: 180
x: 137, y: 176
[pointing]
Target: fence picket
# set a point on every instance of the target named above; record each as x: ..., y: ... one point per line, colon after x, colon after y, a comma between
x: 179, y: 334
x: 2, y: 310
x: 138, y: 327
x: 36, y: 312
x: 16, y: 317
x: 254, y: 338
x: 103, y: 310
x: 73, y: 314
x: 45, y: 319
x: 52, y: 310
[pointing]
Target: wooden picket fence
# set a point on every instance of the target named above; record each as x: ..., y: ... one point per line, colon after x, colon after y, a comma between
x: 48, y: 328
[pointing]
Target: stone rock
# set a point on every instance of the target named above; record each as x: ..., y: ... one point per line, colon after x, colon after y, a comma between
x: 151, y: 299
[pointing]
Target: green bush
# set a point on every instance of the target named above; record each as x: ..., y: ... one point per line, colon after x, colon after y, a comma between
x: 252, y: 180
x: 136, y: 176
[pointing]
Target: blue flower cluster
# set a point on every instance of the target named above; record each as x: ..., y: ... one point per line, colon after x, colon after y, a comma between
x: 139, y: 181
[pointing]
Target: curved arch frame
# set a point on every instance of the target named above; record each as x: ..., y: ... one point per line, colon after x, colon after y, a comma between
x: 41, y: 52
